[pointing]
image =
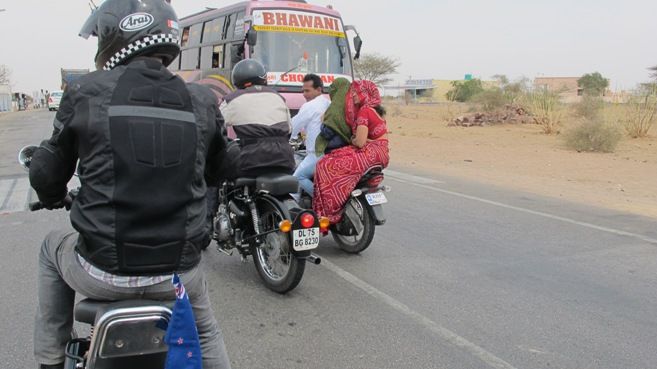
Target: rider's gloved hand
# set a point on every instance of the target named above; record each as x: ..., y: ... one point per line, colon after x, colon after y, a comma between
x: 66, y: 202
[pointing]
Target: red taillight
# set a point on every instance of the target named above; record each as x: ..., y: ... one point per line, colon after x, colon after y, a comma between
x: 307, y: 220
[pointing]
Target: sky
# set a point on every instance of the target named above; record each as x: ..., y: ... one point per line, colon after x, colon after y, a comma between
x: 436, y: 39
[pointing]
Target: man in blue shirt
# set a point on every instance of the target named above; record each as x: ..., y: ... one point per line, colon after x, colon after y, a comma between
x: 309, y: 120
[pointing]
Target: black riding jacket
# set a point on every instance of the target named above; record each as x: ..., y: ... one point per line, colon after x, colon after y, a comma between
x: 147, y: 143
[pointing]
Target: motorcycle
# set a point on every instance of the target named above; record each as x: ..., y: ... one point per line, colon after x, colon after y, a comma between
x: 124, y: 334
x: 363, y: 211
x: 258, y: 218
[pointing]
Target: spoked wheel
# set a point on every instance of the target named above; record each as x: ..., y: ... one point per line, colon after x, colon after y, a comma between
x: 278, y: 268
x: 363, y: 223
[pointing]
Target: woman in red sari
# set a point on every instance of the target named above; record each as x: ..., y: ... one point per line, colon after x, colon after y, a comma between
x: 339, y: 172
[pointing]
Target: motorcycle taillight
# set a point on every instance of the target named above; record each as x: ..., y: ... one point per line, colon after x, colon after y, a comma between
x: 307, y: 220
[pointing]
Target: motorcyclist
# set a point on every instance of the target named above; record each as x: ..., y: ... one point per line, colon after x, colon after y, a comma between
x: 146, y: 143
x: 261, y: 121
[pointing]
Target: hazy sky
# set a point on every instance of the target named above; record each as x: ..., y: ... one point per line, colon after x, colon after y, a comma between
x: 442, y: 39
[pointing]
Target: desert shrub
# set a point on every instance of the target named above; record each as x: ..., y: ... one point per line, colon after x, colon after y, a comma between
x: 545, y: 108
x: 594, y: 136
x: 641, y: 115
x: 491, y: 99
x: 590, y: 107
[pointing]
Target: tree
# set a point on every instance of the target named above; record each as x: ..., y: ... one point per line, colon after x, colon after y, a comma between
x: 376, y: 68
x: 464, y: 91
x: 5, y: 75
x: 654, y: 72
x: 593, y: 84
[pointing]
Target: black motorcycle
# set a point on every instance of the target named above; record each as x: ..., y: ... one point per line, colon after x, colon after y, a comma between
x: 258, y: 217
x: 362, y: 212
x: 124, y: 334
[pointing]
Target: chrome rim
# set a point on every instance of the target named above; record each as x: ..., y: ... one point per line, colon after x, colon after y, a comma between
x: 274, y: 253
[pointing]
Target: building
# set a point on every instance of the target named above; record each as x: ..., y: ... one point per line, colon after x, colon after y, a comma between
x: 5, y: 98
x: 430, y: 90
x: 566, y: 87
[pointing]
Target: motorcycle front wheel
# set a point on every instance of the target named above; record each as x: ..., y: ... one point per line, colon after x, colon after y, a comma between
x: 277, y: 266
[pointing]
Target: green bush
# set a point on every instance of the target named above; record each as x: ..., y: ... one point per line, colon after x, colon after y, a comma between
x: 464, y: 91
x: 593, y: 136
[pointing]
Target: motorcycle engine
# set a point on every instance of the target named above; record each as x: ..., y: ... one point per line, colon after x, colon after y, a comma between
x: 222, y: 227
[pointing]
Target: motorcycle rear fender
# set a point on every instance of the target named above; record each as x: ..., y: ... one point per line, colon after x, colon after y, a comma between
x: 376, y: 212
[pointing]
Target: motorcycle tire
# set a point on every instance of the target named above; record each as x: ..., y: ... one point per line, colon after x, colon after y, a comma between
x: 360, y: 242
x: 280, y: 270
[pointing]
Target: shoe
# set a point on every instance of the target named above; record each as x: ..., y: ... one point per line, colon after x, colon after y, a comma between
x: 58, y: 366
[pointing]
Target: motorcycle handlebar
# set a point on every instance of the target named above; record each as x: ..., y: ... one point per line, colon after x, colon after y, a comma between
x: 66, y: 203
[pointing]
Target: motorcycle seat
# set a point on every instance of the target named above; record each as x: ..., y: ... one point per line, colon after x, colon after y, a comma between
x: 245, y: 182
x: 372, y: 178
x: 87, y: 310
x: 278, y: 184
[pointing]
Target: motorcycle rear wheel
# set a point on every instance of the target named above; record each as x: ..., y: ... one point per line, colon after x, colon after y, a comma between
x: 277, y: 266
x: 360, y: 242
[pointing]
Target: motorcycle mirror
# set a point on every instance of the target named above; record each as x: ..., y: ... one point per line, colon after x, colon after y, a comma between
x: 25, y: 156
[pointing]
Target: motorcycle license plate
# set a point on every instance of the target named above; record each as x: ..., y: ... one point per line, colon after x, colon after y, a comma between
x: 377, y: 198
x: 305, y: 239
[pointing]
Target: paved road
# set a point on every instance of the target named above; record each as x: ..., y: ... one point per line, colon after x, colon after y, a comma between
x: 463, y: 276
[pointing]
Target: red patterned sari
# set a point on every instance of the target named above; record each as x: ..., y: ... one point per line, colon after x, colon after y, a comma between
x: 338, y: 172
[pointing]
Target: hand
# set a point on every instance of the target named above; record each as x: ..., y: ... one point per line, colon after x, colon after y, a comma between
x: 66, y: 202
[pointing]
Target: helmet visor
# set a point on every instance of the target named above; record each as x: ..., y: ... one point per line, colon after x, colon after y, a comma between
x: 90, y: 26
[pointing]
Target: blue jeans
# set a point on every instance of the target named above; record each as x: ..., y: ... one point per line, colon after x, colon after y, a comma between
x: 305, y: 173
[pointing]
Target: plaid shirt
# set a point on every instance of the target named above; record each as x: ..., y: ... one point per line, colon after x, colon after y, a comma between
x: 122, y: 281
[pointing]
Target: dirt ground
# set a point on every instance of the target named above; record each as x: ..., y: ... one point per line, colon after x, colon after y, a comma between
x: 522, y: 157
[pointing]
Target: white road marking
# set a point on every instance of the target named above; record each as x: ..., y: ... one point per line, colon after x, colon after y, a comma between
x: 442, y: 332
x: 533, y: 212
x: 16, y: 194
x: 410, y: 177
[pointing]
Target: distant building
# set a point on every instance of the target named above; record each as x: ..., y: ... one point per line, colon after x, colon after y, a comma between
x: 430, y: 90
x: 5, y: 98
x: 566, y: 87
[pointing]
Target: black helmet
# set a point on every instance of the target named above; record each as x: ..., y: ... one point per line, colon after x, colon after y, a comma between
x: 129, y: 28
x: 249, y: 72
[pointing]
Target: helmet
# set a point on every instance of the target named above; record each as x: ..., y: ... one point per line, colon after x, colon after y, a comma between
x: 249, y: 72
x: 129, y: 28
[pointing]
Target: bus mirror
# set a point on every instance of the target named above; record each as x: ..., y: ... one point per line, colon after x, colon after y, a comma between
x: 252, y: 37
x: 358, y: 44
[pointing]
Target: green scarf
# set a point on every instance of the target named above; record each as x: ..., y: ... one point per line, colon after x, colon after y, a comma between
x: 334, y: 117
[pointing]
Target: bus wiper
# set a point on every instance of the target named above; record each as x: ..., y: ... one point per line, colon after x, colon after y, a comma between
x: 286, y: 73
x: 305, y: 57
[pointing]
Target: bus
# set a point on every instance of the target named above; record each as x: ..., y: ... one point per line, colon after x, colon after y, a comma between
x: 290, y: 38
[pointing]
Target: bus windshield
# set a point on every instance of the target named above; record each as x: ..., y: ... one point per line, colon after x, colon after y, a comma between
x: 281, y: 52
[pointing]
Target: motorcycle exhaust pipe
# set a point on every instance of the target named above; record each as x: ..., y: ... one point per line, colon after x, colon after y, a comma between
x: 313, y: 259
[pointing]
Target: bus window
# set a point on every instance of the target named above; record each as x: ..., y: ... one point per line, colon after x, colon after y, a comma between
x: 214, y: 30
x: 195, y: 34
x: 228, y: 27
x: 189, y: 59
x: 207, y: 28
x: 185, y: 37
x: 206, y: 57
x: 218, y: 56
x: 239, y: 25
